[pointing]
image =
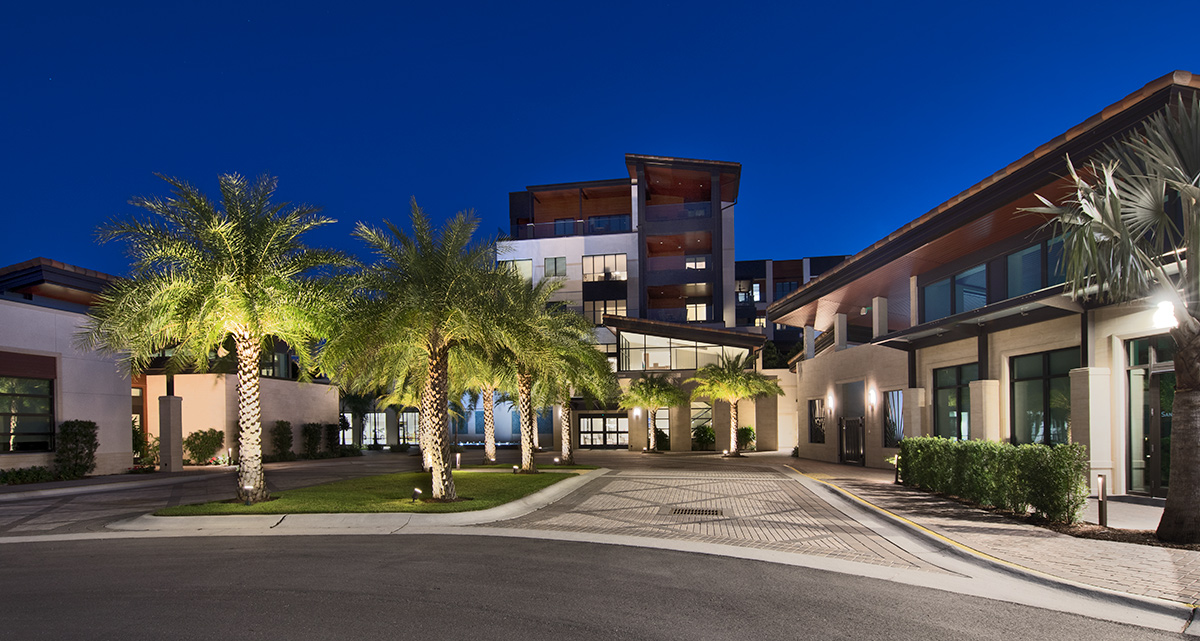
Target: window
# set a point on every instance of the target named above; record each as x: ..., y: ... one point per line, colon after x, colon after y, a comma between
x: 556, y: 267
x: 1035, y: 267
x: 638, y: 352
x: 479, y: 422
x: 697, y: 312
x: 695, y: 262
x: 603, y: 431
x: 610, y: 224
x: 1041, y: 396
x: 594, y: 310
x: 407, y: 423
x: 756, y: 292
x: 952, y: 400
x: 959, y: 293
x: 783, y: 288
x: 26, y: 414
x: 816, y: 420
x: 524, y: 268
x: 760, y: 321
x: 893, y: 418
x: 701, y: 415
x: 564, y: 226
x: 604, y: 267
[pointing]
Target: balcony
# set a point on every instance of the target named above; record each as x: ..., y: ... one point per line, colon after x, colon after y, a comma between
x: 678, y: 211
x: 594, y: 226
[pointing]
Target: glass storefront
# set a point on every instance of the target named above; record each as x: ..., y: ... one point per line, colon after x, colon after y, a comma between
x: 1151, y: 389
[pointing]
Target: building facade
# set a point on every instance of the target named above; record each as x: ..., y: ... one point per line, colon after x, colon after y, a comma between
x: 957, y: 325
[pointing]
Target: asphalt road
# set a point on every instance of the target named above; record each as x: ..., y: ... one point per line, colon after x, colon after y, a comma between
x: 472, y: 587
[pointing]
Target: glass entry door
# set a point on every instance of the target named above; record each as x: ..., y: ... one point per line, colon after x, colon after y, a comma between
x: 1151, y: 409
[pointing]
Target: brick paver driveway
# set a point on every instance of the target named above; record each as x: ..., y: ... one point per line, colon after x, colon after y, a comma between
x: 747, y: 505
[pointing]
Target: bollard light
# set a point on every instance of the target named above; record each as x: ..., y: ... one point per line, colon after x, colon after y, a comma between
x: 416, y: 493
x: 515, y: 468
x: 458, y: 460
x: 556, y: 460
x: 248, y: 488
x: 1103, y: 502
x: 724, y: 452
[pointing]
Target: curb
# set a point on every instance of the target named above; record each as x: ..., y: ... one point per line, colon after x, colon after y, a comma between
x: 388, y: 522
x: 1157, y: 606
x: 99, y: 488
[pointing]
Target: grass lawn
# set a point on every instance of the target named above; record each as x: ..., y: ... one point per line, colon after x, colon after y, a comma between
x: 385, y: 493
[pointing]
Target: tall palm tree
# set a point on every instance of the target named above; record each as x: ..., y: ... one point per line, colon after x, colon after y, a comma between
x: 427, y: 293
x: 539, y: 335
x: 484, y: 375
x: 204, y: 273
x: 653, y: 392
x: 1134, y: 207
x: 581, y: 370
x: 730, y: 382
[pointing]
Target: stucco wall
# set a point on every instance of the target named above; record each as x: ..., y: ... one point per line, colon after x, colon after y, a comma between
x: 89, y: 386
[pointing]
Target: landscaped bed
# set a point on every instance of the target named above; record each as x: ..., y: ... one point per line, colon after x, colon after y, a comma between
x: 385, y: 493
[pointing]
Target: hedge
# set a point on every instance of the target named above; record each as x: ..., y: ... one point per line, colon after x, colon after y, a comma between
x: 1050, y: 480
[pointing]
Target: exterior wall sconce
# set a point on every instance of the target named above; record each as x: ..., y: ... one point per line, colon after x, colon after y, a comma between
x: 872, y: 398
x: 1164, y: 316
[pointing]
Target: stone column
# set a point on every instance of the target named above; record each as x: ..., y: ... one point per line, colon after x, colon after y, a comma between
x: 985, y: 410
x: 840, y: 332
x: 810, y: 342
x: 1091, y: 422
x: 879, y: 316
x: 170, y: 433
x: 914, y: 411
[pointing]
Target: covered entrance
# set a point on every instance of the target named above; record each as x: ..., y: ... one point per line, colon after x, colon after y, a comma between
x: 604, y: 431
x: 851, y: 423
x: 1151, y: 404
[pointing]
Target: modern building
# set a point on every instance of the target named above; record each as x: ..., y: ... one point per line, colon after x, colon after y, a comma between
x: 46, y: 379
x: 957, y: 325
x: 758, y: 283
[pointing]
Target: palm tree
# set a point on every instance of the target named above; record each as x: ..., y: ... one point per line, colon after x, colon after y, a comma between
x: 539, y: 335
x: 203, y: 274
x: 1137, y: 204
x: 653, y: 392
x: 581, y: 369
x: 484, y: 375
x: 730, y: 382
x: 428, y: 293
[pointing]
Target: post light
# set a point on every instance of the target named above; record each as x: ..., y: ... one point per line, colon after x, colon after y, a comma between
x: 458, y: 460
x: 556, y: 460
x: 515, y: 468
x: 249, y: 489
x: 724, y: 452
x: 1103, y: 502
x: 416, y: 493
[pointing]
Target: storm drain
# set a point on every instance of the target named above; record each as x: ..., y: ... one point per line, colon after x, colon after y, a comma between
x: 694, y: 511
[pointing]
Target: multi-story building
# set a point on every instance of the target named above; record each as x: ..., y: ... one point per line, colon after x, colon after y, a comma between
x: 957, y: 325
x: 758, y: 283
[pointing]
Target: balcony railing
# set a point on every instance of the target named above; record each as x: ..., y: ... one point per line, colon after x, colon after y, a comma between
x: 678, y: 211
x: 666, y: 263
x: 594, y: 226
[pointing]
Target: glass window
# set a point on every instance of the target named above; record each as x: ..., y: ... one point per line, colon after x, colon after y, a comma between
x: 1041, y: 396
x: 1025, y: 271
x: 695, y: 262
x: 937, y: 300
x: 26, y: 414
x: 697, y: 312
x: 610, y: 224
x: 1054, y: 262
x: 637, y: 352
x: 556, y: 267
x: 604, y: 267
x: 970, y: 289
x: 603, y: 431
x: 594, y: 310
x: 756, y: 292
x: 760, y: 321
x: 893, y: 418
x: 816, y: 420
x: 952, y: 400
x: 783, y: 288
x: 524, y: 268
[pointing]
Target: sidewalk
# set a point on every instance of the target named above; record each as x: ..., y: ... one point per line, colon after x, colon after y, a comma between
x: 1162, y: 573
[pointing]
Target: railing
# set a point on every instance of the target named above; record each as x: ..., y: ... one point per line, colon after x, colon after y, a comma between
x: 678, y: 211
x: 670, y: 315
x: 593, y: 226
x: 665, y: 263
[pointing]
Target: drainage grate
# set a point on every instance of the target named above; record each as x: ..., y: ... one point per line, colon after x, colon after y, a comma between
x: 695, y: 511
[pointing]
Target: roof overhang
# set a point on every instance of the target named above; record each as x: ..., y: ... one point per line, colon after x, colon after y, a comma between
x: 712, y: 335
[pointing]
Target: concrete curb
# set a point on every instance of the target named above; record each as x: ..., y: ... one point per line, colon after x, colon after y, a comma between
x: 382, y: 523
x: 1159, y: 607
x: 98, y: 488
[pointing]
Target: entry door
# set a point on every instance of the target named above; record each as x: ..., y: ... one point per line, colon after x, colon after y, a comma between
x: 850, y: 434
x: 1158, y: 437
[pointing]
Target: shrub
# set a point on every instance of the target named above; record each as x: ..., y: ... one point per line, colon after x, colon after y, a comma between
x: 281, y: 440
x: 662, y: 439
x: 75, y: 450
x: 703, y: 437
x: 402, y: 447
x: 310, y: 439
x: 21, y: 475
x: 331, y: 437
x: 349, y: 450
x: 795, y: 451
x: 202, y: 446
x: 745, y: 437
x: 1052, y: 481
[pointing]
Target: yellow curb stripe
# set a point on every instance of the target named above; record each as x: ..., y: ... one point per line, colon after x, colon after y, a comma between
x: 944, y: 539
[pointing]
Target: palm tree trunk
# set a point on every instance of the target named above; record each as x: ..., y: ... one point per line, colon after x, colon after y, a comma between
x: 733, y: 428
x: 1180, y: 521
x: 489, y: 425
x: 568, y: 454
x: 435, y: 397
x: 651, y: 437
x: 525, y: 403
x: 252, y: 485
x: 423, y: 431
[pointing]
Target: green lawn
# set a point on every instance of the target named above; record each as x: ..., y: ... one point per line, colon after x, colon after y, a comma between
x: 386, y: 493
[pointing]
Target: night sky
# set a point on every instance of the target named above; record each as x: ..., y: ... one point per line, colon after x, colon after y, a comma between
x: 849, y: 119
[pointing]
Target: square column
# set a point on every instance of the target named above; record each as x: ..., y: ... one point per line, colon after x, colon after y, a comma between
x: 170, y: 433
x: 914, y: 411
x: 1091, y: 422
x: 840, y: 332
x: 879, y: 316
x: 985, y: 410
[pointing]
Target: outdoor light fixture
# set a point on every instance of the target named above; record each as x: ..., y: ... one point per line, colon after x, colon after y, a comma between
x: 515, y: 468
x: 416, y: 493
x: 830, y: 403
x: 1102, y: 495
x: 871, y: 398
x: 248, y: 488
x: 1164, y: 316
x: 458, y: 460
x: 556, y: 460
x: 725, y: 452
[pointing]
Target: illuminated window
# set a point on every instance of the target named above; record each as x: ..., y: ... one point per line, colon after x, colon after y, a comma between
x: 556, y: 267
x: 594, y: 310
x: 695, y: 262
x: 604, y: 267
x: 524, y: 268
x: 26, y: 414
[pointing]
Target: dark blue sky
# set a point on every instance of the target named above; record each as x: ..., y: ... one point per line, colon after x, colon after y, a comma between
x: 849, y: 119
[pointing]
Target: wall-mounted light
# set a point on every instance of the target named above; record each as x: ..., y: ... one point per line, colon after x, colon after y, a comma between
x: 829, y: 403
x: 871, y: 397
x: 1164, y: 316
